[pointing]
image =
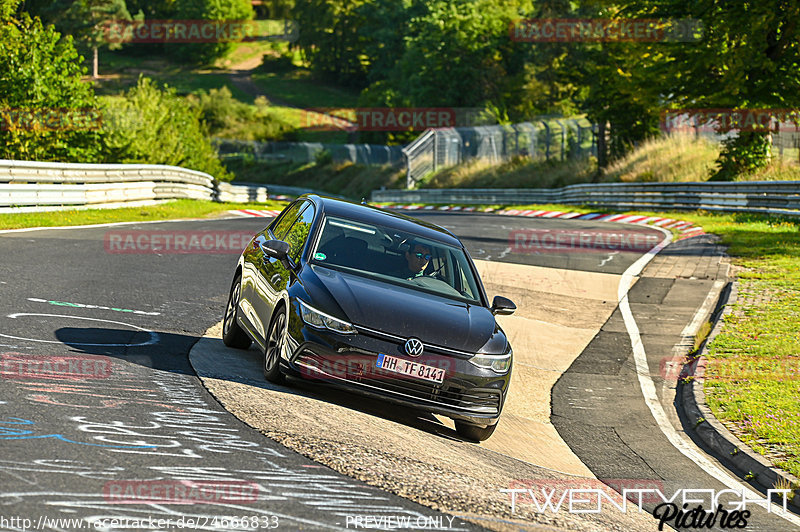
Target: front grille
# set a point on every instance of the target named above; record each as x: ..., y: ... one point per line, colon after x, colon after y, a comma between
x: 398, y: 340
x: 480, y: 401
x: 448, y: 394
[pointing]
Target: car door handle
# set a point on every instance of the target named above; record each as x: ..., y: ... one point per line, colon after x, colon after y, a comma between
x: 275, y: 279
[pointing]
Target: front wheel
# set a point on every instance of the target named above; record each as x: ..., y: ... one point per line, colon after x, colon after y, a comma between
x: 232, y: 334
x: 275, y: 342
x: 474, y: 432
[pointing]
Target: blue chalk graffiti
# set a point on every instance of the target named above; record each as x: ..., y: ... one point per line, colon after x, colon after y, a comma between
x: 11, y: 433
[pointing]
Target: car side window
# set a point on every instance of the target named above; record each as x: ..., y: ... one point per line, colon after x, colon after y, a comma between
x: 298, y: 234
x: 282, y: 224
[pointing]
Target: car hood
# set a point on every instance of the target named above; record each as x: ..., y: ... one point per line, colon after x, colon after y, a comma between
x: 406, y: 312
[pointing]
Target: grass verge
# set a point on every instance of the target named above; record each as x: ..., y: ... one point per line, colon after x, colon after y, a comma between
x: 753, y: 371
x: 517, y: 172
x: 166, y: 211
x: 298, y: 88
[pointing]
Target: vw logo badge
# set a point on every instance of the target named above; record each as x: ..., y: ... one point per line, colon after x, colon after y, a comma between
x: 413, y: 347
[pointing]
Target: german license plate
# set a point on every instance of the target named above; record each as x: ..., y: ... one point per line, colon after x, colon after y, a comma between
x: 409, y: 368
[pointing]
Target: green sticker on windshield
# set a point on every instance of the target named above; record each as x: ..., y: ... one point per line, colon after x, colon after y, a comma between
x: 320, y: 256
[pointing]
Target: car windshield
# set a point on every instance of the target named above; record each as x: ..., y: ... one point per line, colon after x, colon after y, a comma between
x: 397, y: 257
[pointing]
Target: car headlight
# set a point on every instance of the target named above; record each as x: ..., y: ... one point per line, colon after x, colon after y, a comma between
x: 320, y: 320
x: 497, y: 363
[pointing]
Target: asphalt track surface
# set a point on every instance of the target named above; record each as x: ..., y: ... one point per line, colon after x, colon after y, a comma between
x: 75, y: 448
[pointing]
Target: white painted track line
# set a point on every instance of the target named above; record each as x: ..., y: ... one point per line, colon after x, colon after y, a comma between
x: 648, y: 388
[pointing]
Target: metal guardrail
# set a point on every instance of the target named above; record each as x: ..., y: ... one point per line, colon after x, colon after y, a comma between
x: 766, y: 197
x: 31, y: 186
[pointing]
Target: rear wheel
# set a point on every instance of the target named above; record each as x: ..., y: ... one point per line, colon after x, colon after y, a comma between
x: 232, y: 334
x: 275, y: 342
x: 474, y: 432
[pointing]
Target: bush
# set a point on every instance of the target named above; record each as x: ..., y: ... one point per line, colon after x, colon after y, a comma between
x: 226, y: 117
x: 154, y: 126
x: 744, y: 154
x: 278, y: 64
x: 323, y: 158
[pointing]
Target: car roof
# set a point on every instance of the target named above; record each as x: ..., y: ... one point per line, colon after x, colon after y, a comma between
x: 370, y: 214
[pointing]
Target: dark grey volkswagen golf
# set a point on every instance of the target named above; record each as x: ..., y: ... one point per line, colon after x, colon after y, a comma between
x: 377, y: 302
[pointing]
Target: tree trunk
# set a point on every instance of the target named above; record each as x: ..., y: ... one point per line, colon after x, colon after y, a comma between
x: 95, y: 74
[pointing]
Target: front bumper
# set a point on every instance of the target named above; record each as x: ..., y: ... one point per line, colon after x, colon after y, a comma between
x: 468, y: 393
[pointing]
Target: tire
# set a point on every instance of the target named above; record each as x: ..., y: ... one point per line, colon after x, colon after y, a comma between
x: 474, y: 432
x: 275, y: 343
x: 232, y: 334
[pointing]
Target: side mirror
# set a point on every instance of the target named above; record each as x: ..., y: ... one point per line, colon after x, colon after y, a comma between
x: 502, y: 306
x: 277, y: 249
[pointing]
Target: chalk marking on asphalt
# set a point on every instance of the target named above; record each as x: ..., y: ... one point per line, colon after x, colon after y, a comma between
x: 153, y: 335
x: 82, y: 305
x: 648, y: 388
x: 610, y: 256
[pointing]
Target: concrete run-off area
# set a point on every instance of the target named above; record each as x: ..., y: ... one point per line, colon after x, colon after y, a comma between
x: 419, y: 456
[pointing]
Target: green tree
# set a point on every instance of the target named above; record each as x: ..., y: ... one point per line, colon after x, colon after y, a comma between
x: 46, y: 112
x: 155, y: 126
x: 454, y: 53
x: 384, y: 26
x: 749, y: 57
x: 218, y: 10
x: 85, y: 20
x: 331, y: 40
x: 154, y: 9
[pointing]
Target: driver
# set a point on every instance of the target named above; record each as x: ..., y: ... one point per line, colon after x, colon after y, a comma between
x: 417, y: 258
